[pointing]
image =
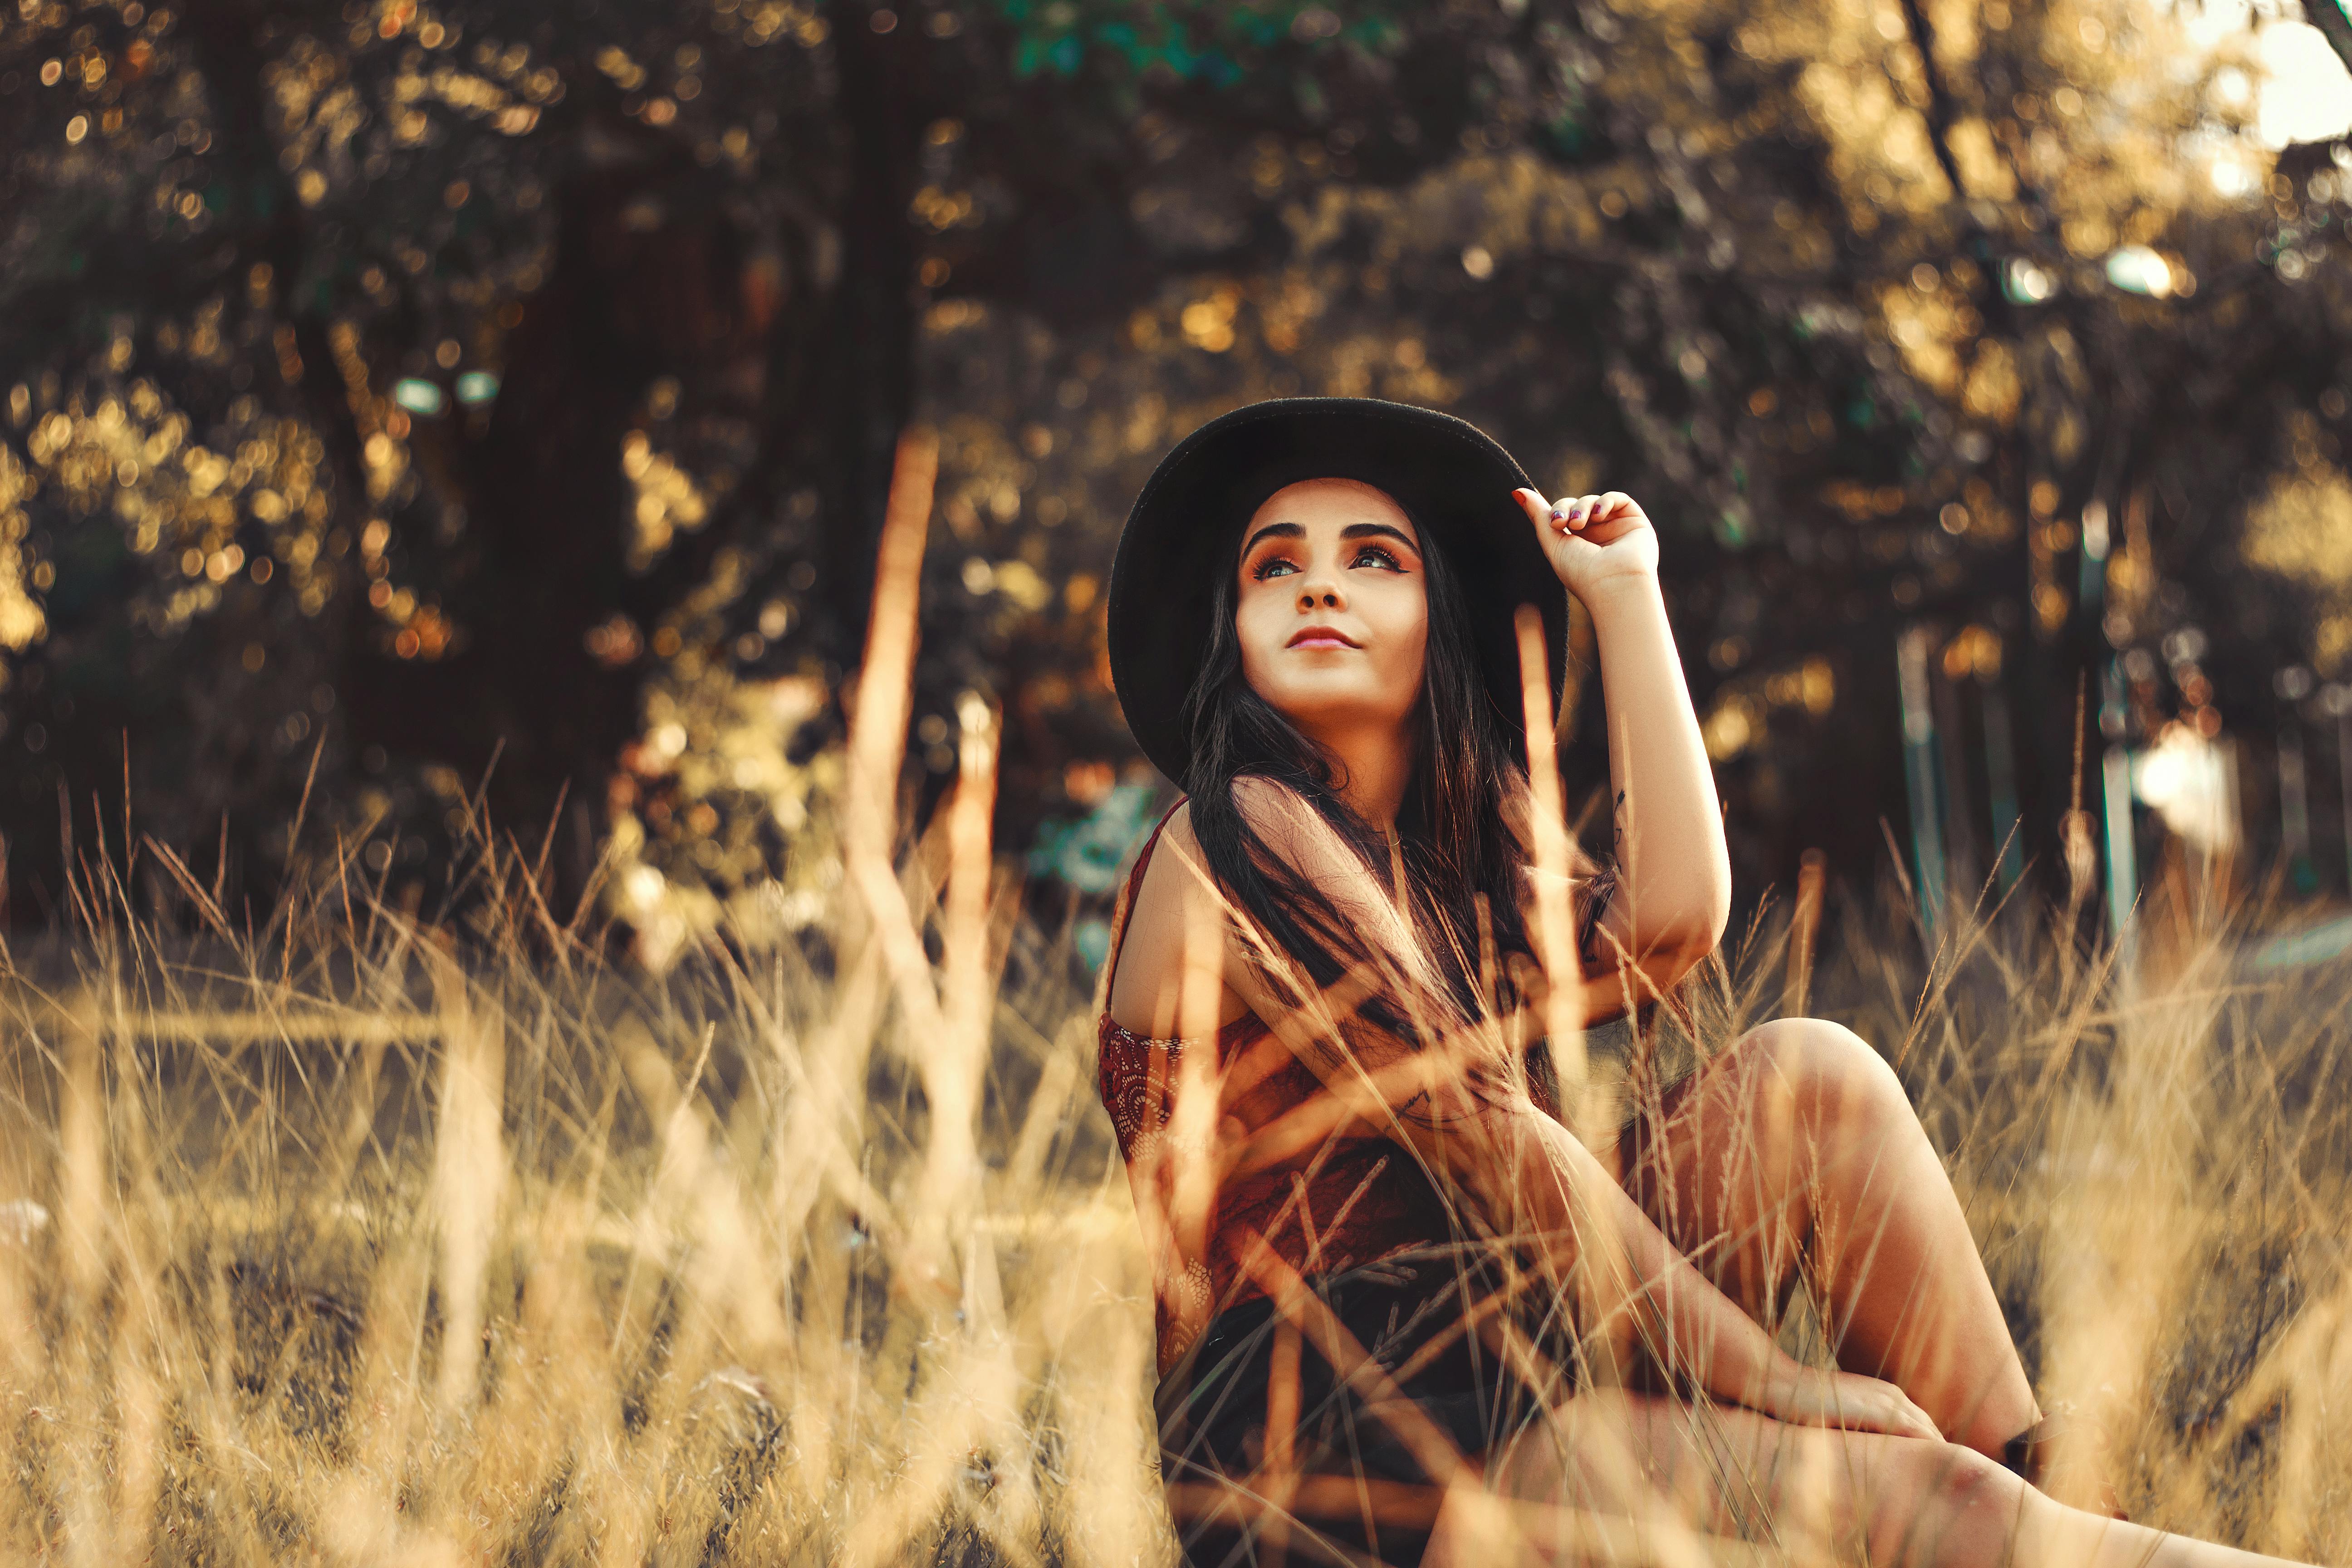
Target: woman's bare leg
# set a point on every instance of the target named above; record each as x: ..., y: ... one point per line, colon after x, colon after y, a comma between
x: 1798, y: 1148
x: 1651, y: 1464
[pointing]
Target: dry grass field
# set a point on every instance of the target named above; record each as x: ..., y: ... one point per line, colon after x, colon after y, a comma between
x: 363, y: 1242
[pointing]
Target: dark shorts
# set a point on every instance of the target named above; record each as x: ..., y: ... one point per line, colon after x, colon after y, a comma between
x: 1364, y: 1492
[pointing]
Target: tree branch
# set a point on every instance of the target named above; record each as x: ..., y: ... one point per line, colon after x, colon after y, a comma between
x: 2334, y: 25
x: 1940, y: 113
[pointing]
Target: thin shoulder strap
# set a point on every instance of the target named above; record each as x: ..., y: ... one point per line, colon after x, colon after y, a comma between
x: 1126, y: 904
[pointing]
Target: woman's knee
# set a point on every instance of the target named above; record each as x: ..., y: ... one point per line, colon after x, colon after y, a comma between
x: 1475, y: 1528
x: 1824, y: 1064
x: 1952, y: 1504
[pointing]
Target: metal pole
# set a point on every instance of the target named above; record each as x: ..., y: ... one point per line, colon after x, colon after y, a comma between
x: 2123, y: 857
x: 1961, y: 864
x: 2336, y: 700
x: 2294, y: 803
x: 1919, y: 772
x: 2344, y: 780
x: 2001, y: 774
x: 2294, y: 684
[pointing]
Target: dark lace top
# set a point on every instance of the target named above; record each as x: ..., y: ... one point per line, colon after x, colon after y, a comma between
x: 1348, y: 1199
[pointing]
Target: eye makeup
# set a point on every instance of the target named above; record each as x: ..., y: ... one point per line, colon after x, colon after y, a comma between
x: 1257, y: 567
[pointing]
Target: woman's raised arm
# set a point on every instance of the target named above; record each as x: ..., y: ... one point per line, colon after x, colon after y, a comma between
x: 1674, y: 892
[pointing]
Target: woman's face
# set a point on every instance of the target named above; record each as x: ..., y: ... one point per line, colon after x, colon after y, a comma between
x: 1331, y: 610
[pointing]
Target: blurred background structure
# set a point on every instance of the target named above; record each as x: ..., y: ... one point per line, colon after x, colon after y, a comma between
x: 412, y: 410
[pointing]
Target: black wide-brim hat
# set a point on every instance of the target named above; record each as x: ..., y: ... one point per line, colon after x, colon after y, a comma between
x: 1451, y: 478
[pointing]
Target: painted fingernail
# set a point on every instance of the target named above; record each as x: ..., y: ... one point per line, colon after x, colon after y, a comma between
x: 1558, y: 513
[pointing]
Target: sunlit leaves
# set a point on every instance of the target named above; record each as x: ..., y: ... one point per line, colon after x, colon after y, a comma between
x: 667, y: 499
x: 2301, y: 530
x: 131, y: 457
x: 21, y: 622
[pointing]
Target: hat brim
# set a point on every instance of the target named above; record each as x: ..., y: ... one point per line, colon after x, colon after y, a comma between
x: 1452, y: 477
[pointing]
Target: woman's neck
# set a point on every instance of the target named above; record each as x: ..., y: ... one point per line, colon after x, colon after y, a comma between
x: 1373, y: 767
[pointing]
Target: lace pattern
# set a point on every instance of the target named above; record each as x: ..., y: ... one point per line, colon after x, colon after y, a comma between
x: 1342, y: 1203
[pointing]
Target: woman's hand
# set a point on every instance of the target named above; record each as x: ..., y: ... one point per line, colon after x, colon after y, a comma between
x: 1594, y: 541
x: 1805, y: 1396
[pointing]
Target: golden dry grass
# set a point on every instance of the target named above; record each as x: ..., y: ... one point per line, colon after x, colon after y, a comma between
x: 361, y: 1243
x: 356, y: 1248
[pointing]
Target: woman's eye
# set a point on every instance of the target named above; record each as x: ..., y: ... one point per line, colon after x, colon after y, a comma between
x: 1375, y: 555
x: 1274, y: 566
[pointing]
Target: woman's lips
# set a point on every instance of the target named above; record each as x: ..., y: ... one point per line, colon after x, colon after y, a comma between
x: 1321, y: 636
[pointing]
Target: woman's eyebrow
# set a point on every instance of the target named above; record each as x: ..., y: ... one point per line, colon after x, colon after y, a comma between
x: 1273, y: 530
x: 1378, y: 530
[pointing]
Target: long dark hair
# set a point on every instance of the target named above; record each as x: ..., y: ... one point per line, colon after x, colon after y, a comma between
x: 1463, y: 865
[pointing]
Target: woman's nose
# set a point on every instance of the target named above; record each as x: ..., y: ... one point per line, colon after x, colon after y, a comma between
x: 1318, y: 592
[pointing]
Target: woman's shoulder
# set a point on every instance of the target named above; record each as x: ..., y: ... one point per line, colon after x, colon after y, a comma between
x: 1260, y: 801
x: 1172, y: 874
x: 1290, y: 829
x: 1275, y: 813
x: 1172, y: 895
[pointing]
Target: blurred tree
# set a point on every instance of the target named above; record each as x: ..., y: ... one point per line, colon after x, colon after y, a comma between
x: 471, y: 391
x: 1894, y: 326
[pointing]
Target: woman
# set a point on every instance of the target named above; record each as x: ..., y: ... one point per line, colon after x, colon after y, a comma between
x: 1392, y: 1287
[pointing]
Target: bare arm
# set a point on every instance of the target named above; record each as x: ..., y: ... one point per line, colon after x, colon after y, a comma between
x: 1674, y: 892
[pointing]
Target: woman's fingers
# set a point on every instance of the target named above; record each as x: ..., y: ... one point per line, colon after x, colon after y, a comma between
x: 1614, y: 504
x: 1574, y: 514
x: 1885, y: 1407
x: 1587, y: 533
x: 1556, y: 513
x: 1567, y: 513
x: 1852, y: 1401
